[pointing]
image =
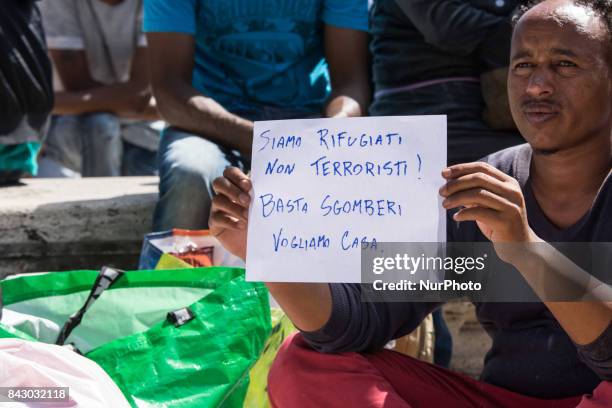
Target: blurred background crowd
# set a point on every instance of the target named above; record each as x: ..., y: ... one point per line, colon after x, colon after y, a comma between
x: 82, y: 84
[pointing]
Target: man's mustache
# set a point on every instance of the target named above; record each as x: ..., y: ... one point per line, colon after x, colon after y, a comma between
x: 544, y: 105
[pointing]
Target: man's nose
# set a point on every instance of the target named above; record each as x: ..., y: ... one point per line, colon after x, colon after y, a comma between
x: 540, y: 83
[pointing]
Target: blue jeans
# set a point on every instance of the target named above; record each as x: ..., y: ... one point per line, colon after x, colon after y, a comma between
x: 92, y: 145
x: 188, y: 164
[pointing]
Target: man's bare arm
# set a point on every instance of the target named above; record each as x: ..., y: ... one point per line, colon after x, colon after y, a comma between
x: 495, y: 201
x: 552, y: 275
x: 346, y: 52
x: 584, y: 322
x: 82, y: 94
x: 171, y: 57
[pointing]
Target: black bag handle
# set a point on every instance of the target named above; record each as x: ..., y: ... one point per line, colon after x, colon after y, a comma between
x: 107, y: 278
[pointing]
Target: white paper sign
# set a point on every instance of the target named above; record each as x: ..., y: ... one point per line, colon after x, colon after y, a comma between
x: 323, y: 189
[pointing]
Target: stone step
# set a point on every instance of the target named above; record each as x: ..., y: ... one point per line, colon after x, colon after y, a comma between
x: 67, y: 224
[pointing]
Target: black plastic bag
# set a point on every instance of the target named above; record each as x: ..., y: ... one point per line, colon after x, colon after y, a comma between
x: 26, y: 91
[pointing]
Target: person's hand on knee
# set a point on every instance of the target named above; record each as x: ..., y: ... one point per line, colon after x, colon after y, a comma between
x: 230, y: 210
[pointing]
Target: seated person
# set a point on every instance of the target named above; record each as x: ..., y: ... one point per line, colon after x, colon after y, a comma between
x: 428, y: 57
x: 219, y: 65
x: 26, y: 94
x: 556, y: 188
x: 105, y: 121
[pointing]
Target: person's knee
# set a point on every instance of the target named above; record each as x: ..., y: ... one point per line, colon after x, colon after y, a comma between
x: 186, y: 176
x: 187, y: 166
x: 63, y: 142
x: 287, y: 357
x: 189, y: 163
x: 192, y: 154
x: 295, y: 362
x: 184, y: 198
x: 101, y: 128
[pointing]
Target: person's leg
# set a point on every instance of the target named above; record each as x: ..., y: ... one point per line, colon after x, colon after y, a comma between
x: 187, y: 166
x: 62, y: 148
x: 137, y: 161
x: 101, y: 145
x: 50, y: 168
x: 301, y: 376
x: 140, y: 145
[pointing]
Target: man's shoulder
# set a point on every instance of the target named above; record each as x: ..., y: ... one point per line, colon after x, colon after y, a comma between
x: 510, y: 160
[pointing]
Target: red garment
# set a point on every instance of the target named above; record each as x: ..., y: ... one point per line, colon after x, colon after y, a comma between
x: 302, y: 377
x: 601, y: 397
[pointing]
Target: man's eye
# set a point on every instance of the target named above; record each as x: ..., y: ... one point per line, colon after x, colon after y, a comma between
x: 523, y: 65
x: 565, y: 64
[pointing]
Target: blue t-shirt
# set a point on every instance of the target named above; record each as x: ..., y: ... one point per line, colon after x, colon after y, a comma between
x: 251, y: 53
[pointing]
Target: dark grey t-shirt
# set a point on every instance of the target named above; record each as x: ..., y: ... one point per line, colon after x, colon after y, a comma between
x: 429, y: 42
x: 531, y: 354
x: 420, y: 40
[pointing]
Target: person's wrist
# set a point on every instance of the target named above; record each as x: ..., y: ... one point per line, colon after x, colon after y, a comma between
x: 526, y: 253
x: 246, y: 140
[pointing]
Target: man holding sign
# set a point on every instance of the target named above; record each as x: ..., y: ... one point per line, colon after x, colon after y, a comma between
x: 556, y: 188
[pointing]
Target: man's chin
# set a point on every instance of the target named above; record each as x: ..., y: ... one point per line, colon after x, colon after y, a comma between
x: 543, y: 144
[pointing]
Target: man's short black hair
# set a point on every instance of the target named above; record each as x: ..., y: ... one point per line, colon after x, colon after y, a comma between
x: 602, y: 8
